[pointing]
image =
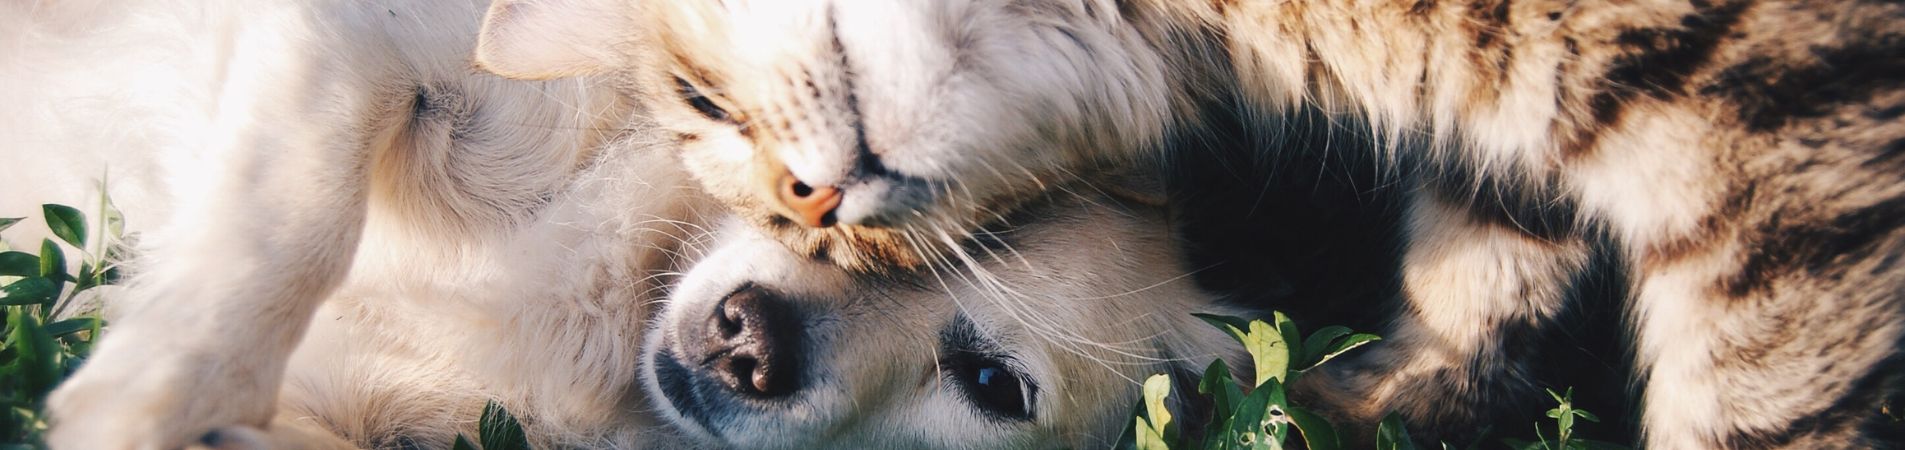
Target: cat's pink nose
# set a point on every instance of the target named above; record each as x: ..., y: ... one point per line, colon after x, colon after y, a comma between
x: 812, y: 206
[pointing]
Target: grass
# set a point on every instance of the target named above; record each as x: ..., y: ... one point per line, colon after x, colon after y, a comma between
x: 44, y: 343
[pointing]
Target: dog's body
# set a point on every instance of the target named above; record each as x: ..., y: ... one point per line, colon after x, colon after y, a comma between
x: 352, y: 239
x: 273, y: 152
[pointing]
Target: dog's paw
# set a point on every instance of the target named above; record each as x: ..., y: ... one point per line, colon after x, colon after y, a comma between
x: 233, y: 438
x: 284, y: 434
x: 158, y: 394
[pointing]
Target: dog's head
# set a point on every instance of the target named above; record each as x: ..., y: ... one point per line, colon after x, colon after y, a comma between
x: 1038, y: 342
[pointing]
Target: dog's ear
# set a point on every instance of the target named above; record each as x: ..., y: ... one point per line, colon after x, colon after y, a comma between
x: 542, y: 39
x: 1139, y: 186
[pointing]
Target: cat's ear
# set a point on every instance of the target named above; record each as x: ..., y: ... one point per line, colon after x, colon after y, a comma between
x: 542, y: 39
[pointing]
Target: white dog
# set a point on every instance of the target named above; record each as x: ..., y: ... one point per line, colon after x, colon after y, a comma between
x: 460, y: 238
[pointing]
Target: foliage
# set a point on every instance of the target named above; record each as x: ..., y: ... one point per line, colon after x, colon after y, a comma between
x: 1265, y: 418
x: 1261, y: 419
x: 498, y: 431
x: 1564, y: 414
x: 42, y: 344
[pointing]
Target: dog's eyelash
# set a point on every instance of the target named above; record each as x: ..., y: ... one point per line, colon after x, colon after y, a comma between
x: 990, y: 380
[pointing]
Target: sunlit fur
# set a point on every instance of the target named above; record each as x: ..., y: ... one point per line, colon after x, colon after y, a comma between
x: 349, y: 238
x: 1087, y: 315
x: 1742, y: 158
x: 272, y: 155
x: 829, y: 92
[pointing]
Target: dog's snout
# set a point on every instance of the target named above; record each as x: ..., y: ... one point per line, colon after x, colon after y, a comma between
x: 753, y: 344
x: 812, y: 206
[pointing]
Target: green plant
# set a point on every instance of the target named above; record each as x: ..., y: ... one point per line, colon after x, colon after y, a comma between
x: 1564, y: 414
x: 1262, y: 418
x: 497, y: 431
x: 42, y: 346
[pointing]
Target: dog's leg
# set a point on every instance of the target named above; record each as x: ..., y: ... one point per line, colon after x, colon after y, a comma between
x: 284, y: 434
x: 1445, y: 363
x: 209, y: 322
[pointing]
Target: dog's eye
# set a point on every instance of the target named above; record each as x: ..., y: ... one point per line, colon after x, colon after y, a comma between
x: 992, y: 385
x: 700, y: 102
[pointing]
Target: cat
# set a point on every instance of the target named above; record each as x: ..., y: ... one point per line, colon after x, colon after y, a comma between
x: 1740, y: 159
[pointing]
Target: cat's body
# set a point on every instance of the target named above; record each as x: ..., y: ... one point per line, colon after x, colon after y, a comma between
x: 1741, y: 159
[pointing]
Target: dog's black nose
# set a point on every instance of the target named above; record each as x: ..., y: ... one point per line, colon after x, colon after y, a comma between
x: 753, y: 343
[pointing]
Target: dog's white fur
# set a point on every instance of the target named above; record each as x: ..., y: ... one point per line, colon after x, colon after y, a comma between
x: 352, y: 238
x: 272, y: 152
x: 1086, y: 301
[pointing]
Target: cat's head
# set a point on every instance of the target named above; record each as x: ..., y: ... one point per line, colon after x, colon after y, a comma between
x: 869, y: 133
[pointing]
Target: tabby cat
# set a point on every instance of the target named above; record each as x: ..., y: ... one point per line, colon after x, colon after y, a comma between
x: 1744, y: 158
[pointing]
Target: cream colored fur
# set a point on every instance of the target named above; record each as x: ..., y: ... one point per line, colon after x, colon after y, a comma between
x: 350, y: 238
x: 1087, y: 300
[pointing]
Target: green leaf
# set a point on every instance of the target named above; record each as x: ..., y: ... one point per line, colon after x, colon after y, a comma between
x: 1224, y: 394
x: 85, y: 279
x: 29, y: 291
x: 462, y: 443
x: 1318, y: 434
x: 1268, y: 350
x: 1156, y: 390
x: 73, y: 325
x: 1220, y: 387
x: 19, y: 264
x: 84, y: 348
x: 1148, y: 437
x: 1225, y: 323
x: 1318, y: 343
x: 499, y: 430
x: 7, y: 222
x: 1392, y: 435
x: 52, y: 261
x: 1261, y: 421
x: 112, y: 222
x: 37, y: 363
x: 1292, y: 338
x: 1347, y: 344
x: 67, y: 223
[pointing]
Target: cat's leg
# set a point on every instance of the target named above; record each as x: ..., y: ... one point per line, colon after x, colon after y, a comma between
x: 1784, y: 334
x: 1477, y: 292
x: 220, y: 302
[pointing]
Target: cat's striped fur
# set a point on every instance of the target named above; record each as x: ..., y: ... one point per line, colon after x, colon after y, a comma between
x: 1745, y: 158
